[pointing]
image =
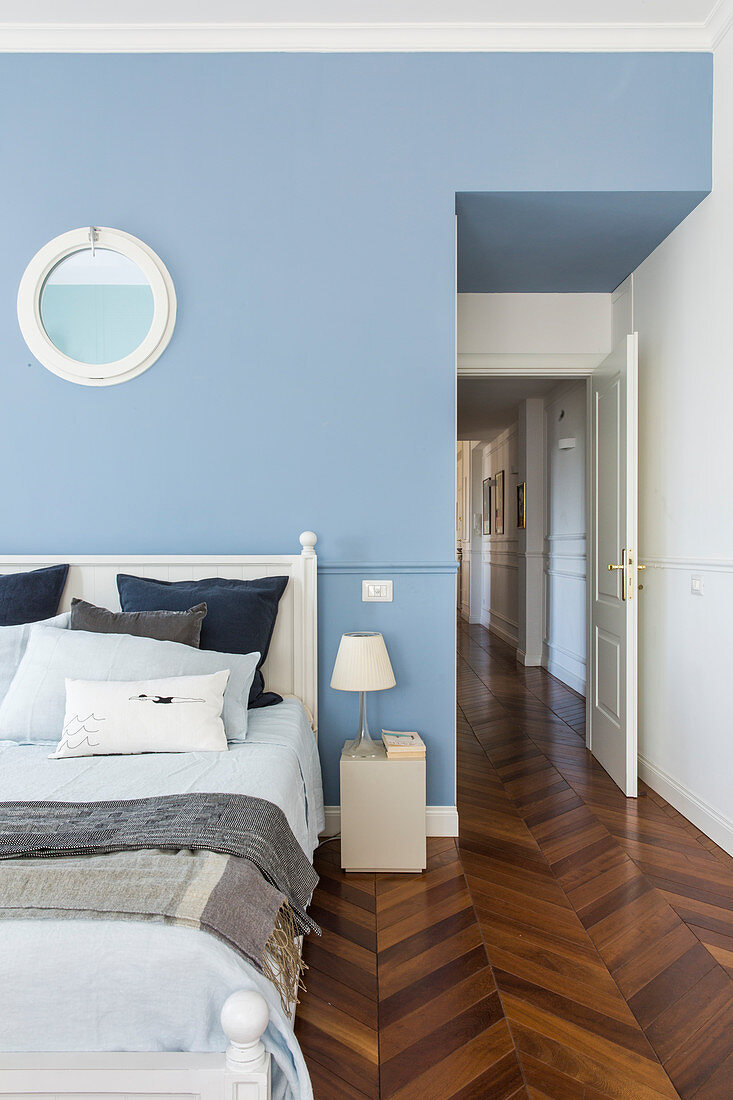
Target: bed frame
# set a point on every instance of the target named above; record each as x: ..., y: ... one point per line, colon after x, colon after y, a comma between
x: 243, y: 1071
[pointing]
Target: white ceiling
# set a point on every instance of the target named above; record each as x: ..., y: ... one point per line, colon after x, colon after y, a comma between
x: 362, y: 24
x: 486, y: 406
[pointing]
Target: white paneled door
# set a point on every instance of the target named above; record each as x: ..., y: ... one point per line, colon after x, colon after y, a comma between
x: 612, y: 734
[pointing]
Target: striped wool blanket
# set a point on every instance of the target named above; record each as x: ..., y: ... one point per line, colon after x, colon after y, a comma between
x: 228, y: 864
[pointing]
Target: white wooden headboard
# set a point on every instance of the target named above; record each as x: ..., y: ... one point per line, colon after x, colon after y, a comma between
x: 291, y: 667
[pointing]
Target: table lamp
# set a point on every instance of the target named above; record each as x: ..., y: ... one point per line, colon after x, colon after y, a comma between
x: 362, y: 664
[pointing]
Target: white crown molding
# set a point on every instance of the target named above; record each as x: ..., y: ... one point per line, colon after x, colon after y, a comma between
x: 719, y: 22
x: 364, y: 37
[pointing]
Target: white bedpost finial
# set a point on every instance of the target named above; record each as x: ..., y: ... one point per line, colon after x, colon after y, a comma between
x: 308, y: 541
x: 244, y: 1017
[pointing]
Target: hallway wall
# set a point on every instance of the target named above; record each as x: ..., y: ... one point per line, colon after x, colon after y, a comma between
x: 499, y: 557
x: 681, y: 307
x: 564, y: 645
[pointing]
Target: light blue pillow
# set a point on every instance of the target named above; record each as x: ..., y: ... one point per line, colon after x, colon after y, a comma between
x: 33, y: 708
x: 13, y: 642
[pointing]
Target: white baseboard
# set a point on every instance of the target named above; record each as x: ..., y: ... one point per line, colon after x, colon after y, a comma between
x: 503, y: 629
x: 560, y: 670
x: 709, y: 820
x: 439, y: 821
x: 577, y: 683
x: 529, y: 660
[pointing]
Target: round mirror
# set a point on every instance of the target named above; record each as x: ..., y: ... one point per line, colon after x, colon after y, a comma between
x: 96, y: 306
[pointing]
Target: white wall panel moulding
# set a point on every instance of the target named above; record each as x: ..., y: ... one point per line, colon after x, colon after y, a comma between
x: 387, y: 567
x: 709, y: 565
x: 573, y: 537
x: 565, y: 573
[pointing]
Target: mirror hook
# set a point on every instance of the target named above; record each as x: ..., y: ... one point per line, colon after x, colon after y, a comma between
x: 92, y: 237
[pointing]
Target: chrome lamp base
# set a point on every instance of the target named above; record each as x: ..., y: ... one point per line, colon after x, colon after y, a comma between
x: 363, y: 748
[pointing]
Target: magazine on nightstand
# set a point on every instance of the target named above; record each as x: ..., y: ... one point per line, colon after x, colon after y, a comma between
x: 403, y: 746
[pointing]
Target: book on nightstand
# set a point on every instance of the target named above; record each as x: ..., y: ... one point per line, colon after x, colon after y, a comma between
x: 403, y: 746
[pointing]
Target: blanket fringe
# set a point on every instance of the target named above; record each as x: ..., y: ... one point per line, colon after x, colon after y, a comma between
x: 282, y: 962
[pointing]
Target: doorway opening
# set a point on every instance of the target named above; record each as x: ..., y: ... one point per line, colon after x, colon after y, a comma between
x: 546, y: 516
x: 521, y: 535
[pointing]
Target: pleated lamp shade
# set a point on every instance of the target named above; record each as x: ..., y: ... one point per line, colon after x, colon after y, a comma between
x: 362, y: 663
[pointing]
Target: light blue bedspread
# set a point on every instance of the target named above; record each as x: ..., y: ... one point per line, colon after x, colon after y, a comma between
x: 123, y: 985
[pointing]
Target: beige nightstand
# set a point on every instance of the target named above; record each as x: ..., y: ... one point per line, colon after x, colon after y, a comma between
x: 382, y: 814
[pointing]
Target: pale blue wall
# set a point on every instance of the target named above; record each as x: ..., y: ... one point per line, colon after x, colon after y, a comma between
x: 304, y: 206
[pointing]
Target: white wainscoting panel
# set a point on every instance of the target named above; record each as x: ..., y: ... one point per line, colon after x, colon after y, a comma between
x: 500, y: 566
x: 564, y: 646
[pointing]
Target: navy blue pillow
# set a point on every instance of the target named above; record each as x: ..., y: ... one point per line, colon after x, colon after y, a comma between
x: 29, y: 597
x: 240, y: 618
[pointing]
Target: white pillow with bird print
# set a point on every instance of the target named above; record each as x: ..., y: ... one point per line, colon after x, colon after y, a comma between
x: 175, y: 714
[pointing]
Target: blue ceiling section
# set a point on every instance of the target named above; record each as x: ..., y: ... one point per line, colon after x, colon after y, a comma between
x: 561, y: 241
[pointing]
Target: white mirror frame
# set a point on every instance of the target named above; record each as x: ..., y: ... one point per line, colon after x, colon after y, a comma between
x: 96, y: 374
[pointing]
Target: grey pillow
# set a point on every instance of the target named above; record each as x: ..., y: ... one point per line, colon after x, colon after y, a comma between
x: 162, y: 626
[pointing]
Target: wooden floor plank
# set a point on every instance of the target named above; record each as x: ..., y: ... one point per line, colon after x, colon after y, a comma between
x: 571, y: 945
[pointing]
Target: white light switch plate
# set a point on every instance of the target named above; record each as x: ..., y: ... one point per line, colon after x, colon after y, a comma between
x: 696, y: 584
x: 376, y: 591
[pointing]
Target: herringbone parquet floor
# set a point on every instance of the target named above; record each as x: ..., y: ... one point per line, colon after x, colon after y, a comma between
x: 572, y: 945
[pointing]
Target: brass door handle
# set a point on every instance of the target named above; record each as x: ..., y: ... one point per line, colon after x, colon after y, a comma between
x: 622, y: 567
x: 626, y: 577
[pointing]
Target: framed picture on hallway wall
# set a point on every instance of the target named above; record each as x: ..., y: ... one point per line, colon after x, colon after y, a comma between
x: 486, y: 529
x: 522, y: 505
x: 499, y: 504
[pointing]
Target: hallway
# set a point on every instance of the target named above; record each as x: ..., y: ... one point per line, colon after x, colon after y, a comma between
x: 572, y: 944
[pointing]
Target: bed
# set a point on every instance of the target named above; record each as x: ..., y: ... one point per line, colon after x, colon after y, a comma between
x: 127, y: 1008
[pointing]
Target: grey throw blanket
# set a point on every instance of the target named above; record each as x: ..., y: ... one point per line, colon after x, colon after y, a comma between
x: 233, y: 824
x: 222, y: 895
x: 222, y: 841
